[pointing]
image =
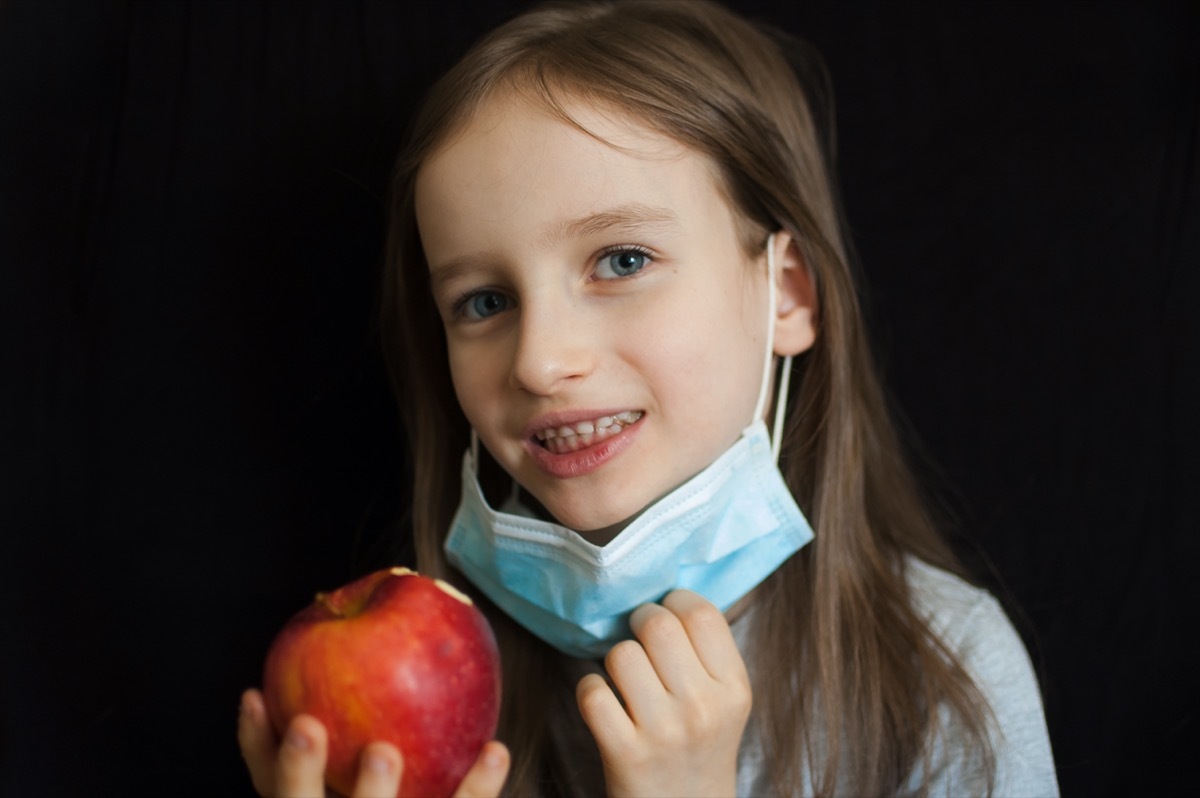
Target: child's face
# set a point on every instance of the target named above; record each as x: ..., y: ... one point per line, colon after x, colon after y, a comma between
x: 584, y: 285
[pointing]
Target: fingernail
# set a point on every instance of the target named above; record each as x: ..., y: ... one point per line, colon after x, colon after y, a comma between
x: 493, y: 757
x: 376, y: 763
x: 296, y: 739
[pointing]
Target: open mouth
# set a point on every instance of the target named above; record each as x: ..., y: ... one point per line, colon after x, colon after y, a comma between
x: 582, y: 434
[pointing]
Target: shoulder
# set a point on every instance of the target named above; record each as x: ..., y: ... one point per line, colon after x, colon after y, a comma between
x: 972, y: 624
x: 952, y: 606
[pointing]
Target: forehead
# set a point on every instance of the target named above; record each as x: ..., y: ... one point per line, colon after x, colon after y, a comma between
x: 514, y: 123
x: 516, y: 164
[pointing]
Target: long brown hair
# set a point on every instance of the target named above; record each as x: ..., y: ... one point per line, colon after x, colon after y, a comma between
x: 848, y: 677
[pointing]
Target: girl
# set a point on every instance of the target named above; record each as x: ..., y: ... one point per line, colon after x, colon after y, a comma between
x: 613, y: 228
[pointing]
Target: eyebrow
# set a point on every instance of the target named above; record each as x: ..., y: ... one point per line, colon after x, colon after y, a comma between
x: 633, y: 215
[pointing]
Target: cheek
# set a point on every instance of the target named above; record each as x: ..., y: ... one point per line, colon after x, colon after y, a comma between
x: 701, y: 359
x: 469, y: 377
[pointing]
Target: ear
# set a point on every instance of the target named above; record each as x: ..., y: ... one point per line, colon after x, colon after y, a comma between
x: 795, y: 298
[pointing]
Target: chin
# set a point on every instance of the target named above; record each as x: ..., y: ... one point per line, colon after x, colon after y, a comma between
x: 598, y: 527
x: 598, y: 522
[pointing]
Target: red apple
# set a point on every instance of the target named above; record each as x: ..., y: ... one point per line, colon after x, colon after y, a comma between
x: 393, y: 656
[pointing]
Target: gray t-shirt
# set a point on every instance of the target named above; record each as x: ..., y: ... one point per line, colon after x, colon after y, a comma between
x: 972, y: 624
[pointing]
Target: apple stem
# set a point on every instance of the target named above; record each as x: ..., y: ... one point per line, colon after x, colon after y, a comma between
x: 323, y: 600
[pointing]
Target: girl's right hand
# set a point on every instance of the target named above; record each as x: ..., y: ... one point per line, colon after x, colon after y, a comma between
x: 671, y: 723
x: 297, y: 766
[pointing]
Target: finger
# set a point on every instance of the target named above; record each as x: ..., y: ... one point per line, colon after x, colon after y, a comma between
x: 257, y: 740
x: 607, y: 720
x: 379, y: 771
x: 668, y: 648
x: 640, y: 687
x: 301, y: 768
x: 486, y: 777
x: 710, y: 635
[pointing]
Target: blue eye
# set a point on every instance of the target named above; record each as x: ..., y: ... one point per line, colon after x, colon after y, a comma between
x: 621, y: 263
x: 484, y: 304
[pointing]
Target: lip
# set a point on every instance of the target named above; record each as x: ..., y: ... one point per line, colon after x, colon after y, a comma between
x: 586, y: 460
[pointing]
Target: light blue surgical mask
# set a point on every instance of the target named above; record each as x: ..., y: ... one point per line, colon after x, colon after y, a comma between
x: 719, y: 534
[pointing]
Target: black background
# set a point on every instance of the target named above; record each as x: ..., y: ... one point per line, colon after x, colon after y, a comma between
x: 196, y: 432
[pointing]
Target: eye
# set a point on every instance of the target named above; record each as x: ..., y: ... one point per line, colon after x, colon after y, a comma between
x: 483, y: 304
x: 621, y: 262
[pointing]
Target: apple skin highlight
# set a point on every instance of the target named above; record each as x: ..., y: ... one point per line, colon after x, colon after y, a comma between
x: 397, y: 657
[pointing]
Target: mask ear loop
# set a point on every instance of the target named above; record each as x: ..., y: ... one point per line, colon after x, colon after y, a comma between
x: 785, y: 379
x: 514, y: 493
x: 769, y: 360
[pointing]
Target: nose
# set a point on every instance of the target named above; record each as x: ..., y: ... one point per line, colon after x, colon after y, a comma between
x: 553, y: 351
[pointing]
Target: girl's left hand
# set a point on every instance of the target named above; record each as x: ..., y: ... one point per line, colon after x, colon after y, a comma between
x: 684, y: 702
x: 296, y: 767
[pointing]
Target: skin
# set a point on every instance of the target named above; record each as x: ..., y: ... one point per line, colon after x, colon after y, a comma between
x: 295, y: 766
x: 684, y: 701
x: 528, y: 224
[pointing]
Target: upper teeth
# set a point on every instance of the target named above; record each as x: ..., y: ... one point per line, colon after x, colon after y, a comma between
x: 602, y: 424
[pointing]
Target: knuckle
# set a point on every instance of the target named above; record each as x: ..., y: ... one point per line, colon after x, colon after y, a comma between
x: 732, y: 707
x: 622, y: 655
x: 702, y: 615
x: 737, y: 688
x: 702, y: 720
x: 590, y: 695
x: 660, y: 626
x: 672, y: 733
x: 742, y: 697
x: 635, y: 756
